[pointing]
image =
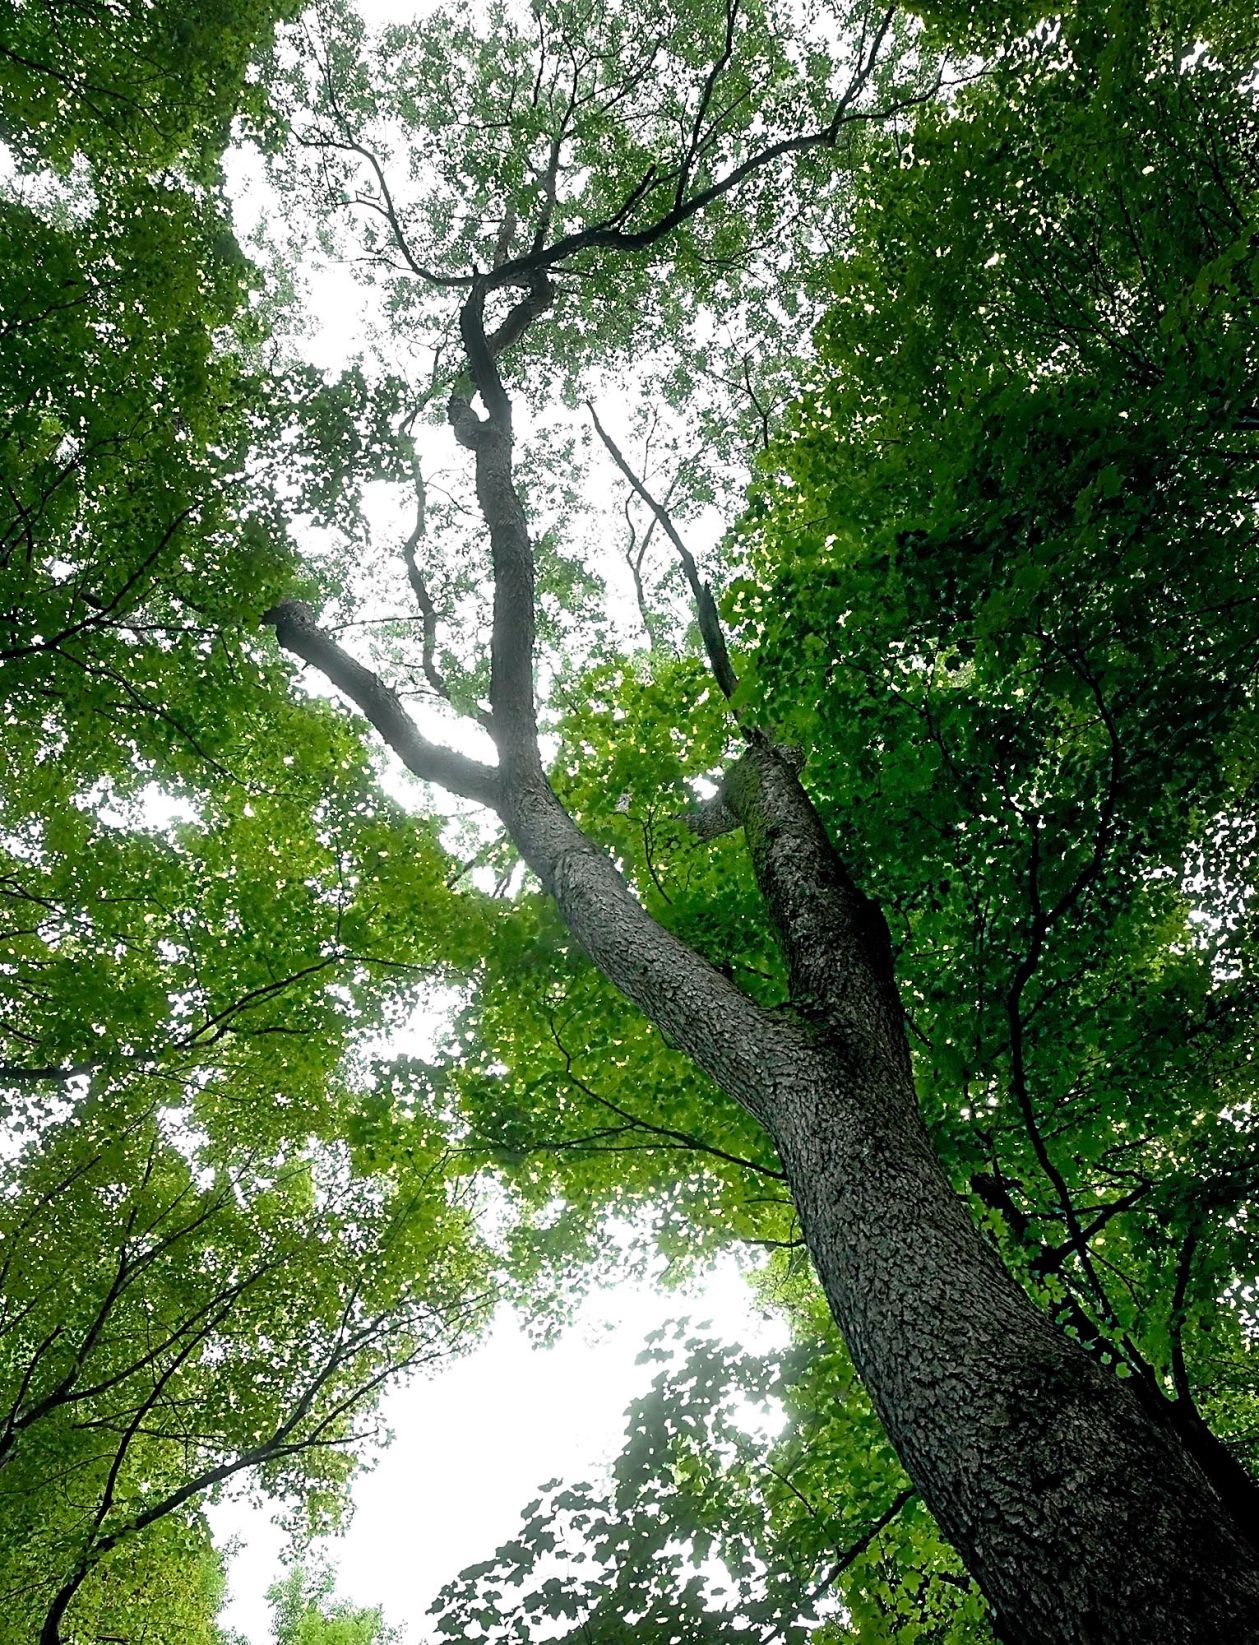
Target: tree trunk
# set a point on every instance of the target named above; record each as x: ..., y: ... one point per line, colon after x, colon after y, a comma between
x: 1084, y: 1519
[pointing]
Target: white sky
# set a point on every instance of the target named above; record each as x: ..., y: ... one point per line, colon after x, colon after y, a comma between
x: 473, y: 1443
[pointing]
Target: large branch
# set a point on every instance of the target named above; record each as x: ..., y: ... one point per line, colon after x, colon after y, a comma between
x: 512, y: 703
x: 297, y: 631
x: 610, y: 233
x: 692, y: 1003
x: 428, y: 611
x: 833, y: 937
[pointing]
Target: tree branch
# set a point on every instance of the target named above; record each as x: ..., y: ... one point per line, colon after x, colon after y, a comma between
x: 428, y: 613
x: 851, y: 1555
x: 297, y: 632
x: 705, y: 606
x: 609, y: 235
x: 681, y: 1139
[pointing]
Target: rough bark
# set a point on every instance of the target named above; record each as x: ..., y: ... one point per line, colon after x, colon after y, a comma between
x: 1084, y: 1518
x: 1082, y: 1515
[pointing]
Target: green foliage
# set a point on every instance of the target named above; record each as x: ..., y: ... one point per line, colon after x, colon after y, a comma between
x: 167, y: 1589
x: 994, y: 584
x: 98, y: 82
x: 206, y: 1274
x: 181, y: 1308
x: 304, y: 1613
x: 1000, y: 598
x: 720, y: 1520
x: 461, y: 111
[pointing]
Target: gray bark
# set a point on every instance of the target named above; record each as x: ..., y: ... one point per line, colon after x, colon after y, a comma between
x: 1082, y: 1516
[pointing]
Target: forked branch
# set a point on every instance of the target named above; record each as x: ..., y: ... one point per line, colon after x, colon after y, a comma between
x: 682, y: 175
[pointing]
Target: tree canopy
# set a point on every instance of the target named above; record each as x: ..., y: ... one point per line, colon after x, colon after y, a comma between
x: 897, y: 374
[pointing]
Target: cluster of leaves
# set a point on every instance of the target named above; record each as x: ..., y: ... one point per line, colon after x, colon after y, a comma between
x: 303, y: 1612
x: 209, y: 1266
x: 461, y: 142
x: 719, y: 1521
x: 97, y: 82
x: 176, y: 1313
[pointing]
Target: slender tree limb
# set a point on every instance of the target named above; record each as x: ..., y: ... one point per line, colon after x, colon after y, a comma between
x: 1176, y: 1323
x: 705, y: 606
x: 705, y: 98
x: 16, y: 1074
x: 851, y: 1555
x: 428, y: 612
x: 681, y: 1139
x: 100, y: 610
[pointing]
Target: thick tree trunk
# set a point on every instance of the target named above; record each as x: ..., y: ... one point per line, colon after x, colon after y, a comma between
x: 1082, y: 1519
x: 1085, y: 1520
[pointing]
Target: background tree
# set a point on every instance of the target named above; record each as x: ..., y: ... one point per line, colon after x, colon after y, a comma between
x: 304, y: 1613
x: 209, y: 1266
x: 175, y: 1319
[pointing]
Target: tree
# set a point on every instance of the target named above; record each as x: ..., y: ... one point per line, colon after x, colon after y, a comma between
x: 173, y: 1321
x: 1083, y: 1508
x: 306, y: 1614
x: 1059, y: 882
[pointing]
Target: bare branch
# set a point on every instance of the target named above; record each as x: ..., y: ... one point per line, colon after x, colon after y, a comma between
x: 706, y: 607
x: 711, y: 818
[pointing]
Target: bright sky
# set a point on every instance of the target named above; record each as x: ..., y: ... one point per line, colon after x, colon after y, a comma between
x: 472, y: 1443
